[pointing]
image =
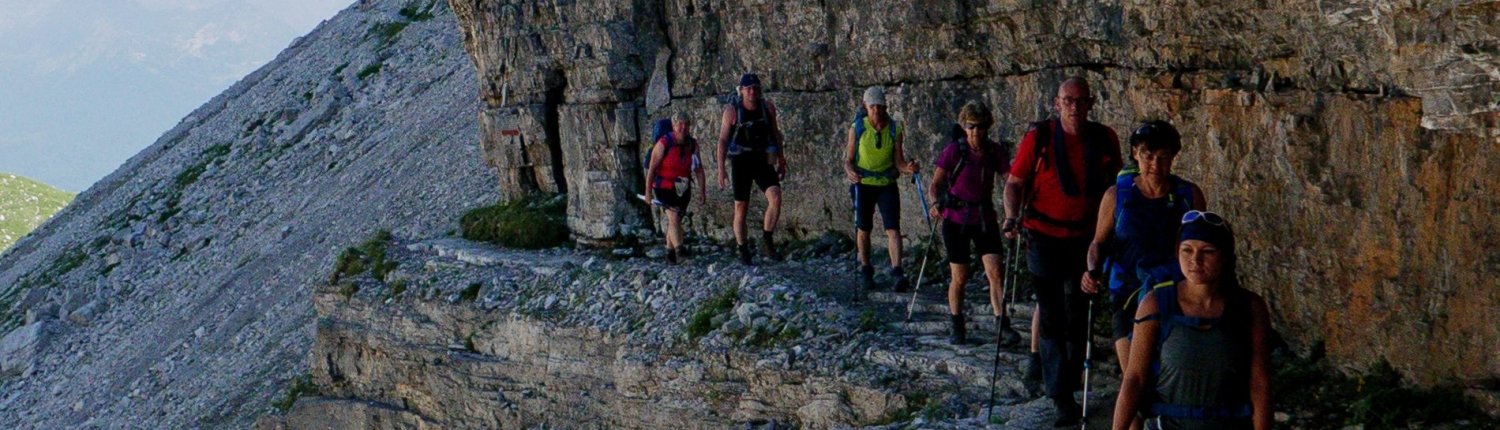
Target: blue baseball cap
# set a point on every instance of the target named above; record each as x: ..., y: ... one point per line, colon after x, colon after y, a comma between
x: 749, y: 79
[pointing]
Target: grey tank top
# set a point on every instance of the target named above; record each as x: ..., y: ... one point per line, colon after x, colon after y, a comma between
x: 1197, y: 369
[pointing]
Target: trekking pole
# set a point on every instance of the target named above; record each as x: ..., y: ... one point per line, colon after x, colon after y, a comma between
x: 916, y: 178
x: 1011, y: 278
x: 854, y: 195
x: 1088, y: 353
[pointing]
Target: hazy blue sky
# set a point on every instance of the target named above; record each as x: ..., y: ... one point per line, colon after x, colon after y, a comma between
x: 85, y: 84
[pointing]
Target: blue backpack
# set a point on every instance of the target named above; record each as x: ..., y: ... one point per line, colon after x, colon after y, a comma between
x: 1149, y: 272
x: 662, y: 127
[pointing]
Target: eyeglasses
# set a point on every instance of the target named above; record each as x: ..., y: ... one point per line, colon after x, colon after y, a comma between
x: 1206, y: 216
x: 1076, y: 100
x: 973, y: 126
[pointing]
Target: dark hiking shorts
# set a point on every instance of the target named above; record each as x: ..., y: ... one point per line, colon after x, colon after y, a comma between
x: 870, y: 197
x: 751, y: 168
x: 957, y: 238
x: 670, y: 198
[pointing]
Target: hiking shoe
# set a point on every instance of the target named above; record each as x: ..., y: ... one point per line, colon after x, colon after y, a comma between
x: 1005, y: 335
x: 769, y: 251
x: 898, y: 280
x: 958, y: 335
x: 867, y: 277
x: 1069, y: 412
x: 671, y: 255
x: 745, y: 254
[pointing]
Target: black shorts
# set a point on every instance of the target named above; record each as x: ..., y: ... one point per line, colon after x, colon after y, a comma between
x: 867, y: 198
x: 670, y: 198
x: 1124, y: 305
x: 957, y: 237
x: 751, y: 167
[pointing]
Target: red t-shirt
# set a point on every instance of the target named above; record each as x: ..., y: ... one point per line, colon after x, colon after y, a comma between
x: 1050, y: 199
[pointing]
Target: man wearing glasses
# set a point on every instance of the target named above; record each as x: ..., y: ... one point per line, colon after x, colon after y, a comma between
x: 1062, y: 168
x: 751, y: 140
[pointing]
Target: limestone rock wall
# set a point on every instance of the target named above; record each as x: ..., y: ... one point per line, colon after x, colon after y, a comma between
x: 1349, y: 141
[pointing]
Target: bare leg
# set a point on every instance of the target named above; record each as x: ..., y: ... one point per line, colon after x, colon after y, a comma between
x: 959, y: 276
x: 893, y: 244
x: 773, y: 208
x: 996, y: 276
x: 862, y: 241
x: 674, y: 229
x: 739, y: 221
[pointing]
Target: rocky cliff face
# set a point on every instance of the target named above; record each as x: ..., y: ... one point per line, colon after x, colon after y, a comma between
x: 173, y: 294
x: 1348, y: 140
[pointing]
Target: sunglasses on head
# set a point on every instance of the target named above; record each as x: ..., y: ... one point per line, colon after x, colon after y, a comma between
x: 1145, y: 130
x: 1206, y: 216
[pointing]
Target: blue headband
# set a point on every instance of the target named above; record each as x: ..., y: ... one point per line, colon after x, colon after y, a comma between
x: 1216, y: 235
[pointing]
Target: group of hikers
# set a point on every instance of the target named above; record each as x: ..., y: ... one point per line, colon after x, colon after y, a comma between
x: 1190, y: 341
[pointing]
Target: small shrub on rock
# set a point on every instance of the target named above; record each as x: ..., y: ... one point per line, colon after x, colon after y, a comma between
x: 529, y: 223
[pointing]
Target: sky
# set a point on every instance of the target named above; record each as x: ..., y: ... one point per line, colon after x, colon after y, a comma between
x: 86, y: 84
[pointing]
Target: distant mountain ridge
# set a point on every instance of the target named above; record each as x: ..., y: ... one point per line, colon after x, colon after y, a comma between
x: 26, y: 203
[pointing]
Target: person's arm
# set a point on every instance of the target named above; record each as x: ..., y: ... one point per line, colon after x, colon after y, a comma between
x: 657, y: 150
x: 1260, y: 364
x: 902, y: 164
x: 849, y: 147
x: 722, y: 154
x: 778, y: 139
x: 1200, y: 201
x: 938, y: 187
x: 1103, y: 230
x: 1142, y: 353
x: 698, y: 172
x: 1021, y: 172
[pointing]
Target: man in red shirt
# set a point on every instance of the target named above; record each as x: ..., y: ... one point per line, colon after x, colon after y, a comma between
x: 1061, y: 170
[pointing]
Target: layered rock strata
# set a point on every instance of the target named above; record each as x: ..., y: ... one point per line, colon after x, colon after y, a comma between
x: 1350, y: 142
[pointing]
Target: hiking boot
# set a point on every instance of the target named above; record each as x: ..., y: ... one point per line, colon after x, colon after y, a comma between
x: 684, y: 252
x: 958, y: 336
x: 671, y: 255
x: 769, y: 251
x: 867, y: 277
x: 898, y: 280
x: 745, y: 254
x: 1069, y: 412
x: 1005, y: 335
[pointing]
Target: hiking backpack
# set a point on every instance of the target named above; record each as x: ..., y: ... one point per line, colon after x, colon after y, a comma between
x: 662, y: 128
x: 1149, y: 273
x: 742, y: 132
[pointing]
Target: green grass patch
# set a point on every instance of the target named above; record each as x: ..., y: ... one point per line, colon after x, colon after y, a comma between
x: 1376, y: 399
x: 295, y: 388
x: 369, y: 70
x: 471, y: 292
x: 531, y: 223
x: 869, y: 321
x: 702, y: 321
x: 417, y: 13
x: 26, y: 204
x: 370, y: 256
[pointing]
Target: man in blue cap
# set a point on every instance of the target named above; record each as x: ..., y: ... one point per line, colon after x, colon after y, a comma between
x: 751, y: 140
